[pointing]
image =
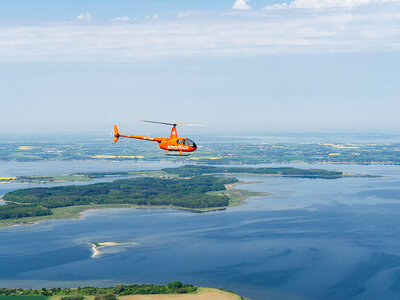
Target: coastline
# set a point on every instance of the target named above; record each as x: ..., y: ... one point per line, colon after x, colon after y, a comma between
x: 191, y: 292
x: 236, y: 197
x: 299, y: 176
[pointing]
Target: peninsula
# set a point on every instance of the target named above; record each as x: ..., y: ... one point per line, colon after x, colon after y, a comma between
x: 188, y: 187
x: 198, y: 193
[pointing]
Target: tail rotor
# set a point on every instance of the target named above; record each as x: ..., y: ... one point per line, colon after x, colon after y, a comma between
x: 116, y: 134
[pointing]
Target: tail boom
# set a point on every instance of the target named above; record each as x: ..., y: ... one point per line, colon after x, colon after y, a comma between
x: 117, y: 135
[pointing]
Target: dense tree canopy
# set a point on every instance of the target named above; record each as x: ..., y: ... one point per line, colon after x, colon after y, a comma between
x: 187, y: 193
x: 104, y: 293
x: 189, y: 170
x: 13, y: 211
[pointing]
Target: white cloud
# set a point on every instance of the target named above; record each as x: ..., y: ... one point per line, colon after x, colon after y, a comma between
x: 181, y: 16
x: 153, y: 17
x: 362, y: 29
x: 241, y: 5
x: 121, y: 19
x: 84, y: 17
x: 326, y: 3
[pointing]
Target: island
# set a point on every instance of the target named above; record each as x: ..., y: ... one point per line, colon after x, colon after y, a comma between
x: 172, y: 290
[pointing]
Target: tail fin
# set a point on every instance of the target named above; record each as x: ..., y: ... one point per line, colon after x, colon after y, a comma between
x: 116, y: 134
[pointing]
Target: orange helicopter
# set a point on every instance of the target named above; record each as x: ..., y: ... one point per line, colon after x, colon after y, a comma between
x: 173, y: 143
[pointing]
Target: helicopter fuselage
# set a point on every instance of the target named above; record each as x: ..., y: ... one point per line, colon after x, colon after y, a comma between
x: 169, y: 144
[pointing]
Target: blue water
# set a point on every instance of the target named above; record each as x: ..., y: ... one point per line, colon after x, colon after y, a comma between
x: 314, y: 239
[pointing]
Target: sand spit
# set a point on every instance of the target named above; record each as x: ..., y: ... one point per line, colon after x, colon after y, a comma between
x: 96, y: 246
x: 203, y: 294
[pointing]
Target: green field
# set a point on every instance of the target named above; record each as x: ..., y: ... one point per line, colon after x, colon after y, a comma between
x: 238, y: 196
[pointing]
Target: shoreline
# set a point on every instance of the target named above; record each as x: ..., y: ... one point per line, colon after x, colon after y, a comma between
x: 236, y: 197
x: 344, y: 175
x: 83, y: 177
x: 191, y: 292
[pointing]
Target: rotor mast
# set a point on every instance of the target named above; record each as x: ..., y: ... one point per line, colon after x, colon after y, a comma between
x: 174, y: 135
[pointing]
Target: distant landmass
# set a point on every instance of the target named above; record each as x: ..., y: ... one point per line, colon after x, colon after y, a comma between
x: 190, y: 170
x: 234, y: 150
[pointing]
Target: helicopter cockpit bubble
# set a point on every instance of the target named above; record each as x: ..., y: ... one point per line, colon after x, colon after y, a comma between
x: 191, y: 143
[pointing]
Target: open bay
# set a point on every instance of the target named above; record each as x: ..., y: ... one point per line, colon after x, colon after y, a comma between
x: 314, y: 239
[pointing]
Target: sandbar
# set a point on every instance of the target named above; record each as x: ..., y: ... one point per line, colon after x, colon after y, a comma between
x: 96, y: 246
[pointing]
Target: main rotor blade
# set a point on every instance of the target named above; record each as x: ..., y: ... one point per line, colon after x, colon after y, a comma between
x: 172, y: 124
x: 190, y: 125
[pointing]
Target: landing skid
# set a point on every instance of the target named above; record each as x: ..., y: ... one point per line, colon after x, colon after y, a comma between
x: 180, y: 154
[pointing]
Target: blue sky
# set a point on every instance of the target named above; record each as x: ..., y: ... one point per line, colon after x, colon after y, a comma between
x: 28, y: 11
x: 321, y: 65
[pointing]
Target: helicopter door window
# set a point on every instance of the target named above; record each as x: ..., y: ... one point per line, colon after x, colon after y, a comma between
x: 191, y: 143
x: 178, y: 142
x: 185, y: 142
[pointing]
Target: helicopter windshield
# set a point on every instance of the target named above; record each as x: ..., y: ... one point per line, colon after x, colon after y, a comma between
x: 191, y: 143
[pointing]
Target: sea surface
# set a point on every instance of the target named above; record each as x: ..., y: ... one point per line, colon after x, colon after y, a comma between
x: 313, y: 239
